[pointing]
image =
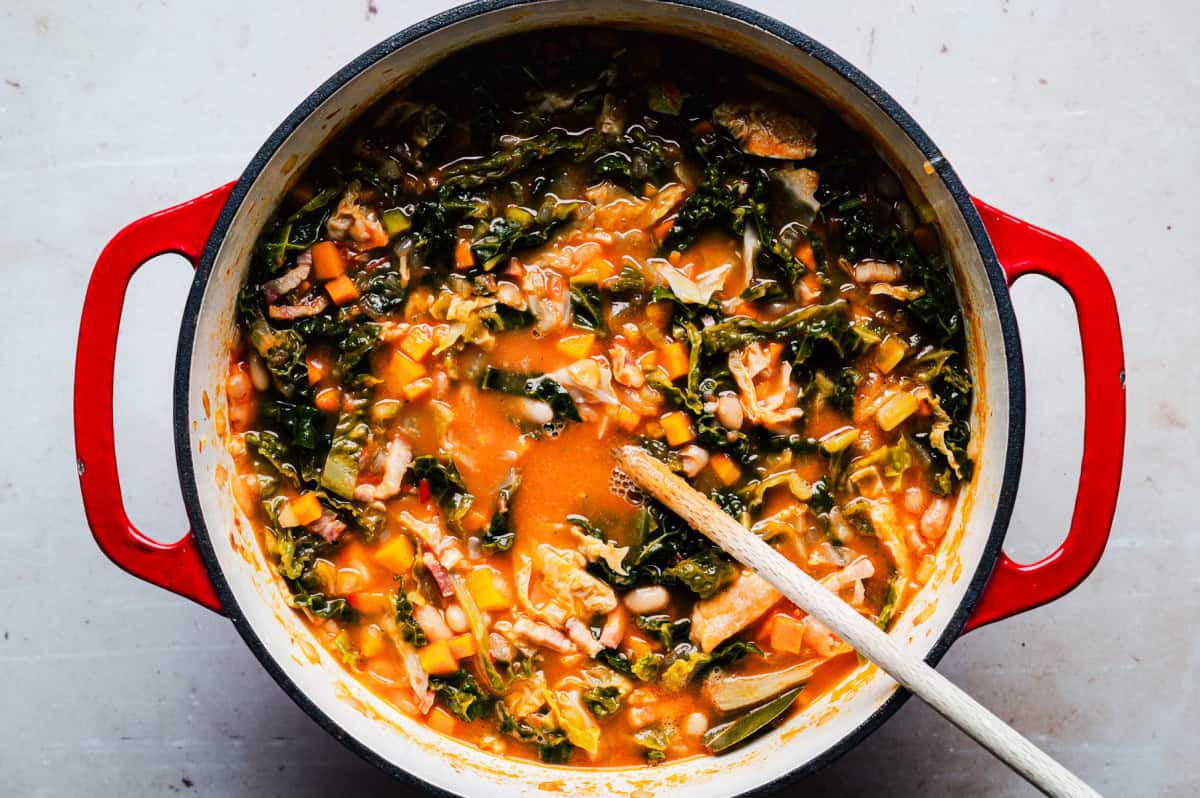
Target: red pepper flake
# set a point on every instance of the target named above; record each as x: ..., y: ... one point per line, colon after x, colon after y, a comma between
x: 423, y: 491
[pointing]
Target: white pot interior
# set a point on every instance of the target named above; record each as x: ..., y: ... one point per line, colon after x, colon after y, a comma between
x: 407, y: 744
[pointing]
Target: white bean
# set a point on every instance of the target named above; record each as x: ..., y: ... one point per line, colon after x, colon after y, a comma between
x: 935, y: 519
x: 536, y: 411
x: 646, y: 600
x: 693, y: 458
x: 915, y: 500
x: 729, y: 411
x: 456, y: 619
x: 258, y: 373
x: 695, y: 724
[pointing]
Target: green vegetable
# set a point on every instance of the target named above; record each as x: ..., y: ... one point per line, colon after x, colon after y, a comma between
x: 891, y: 601
x: 615, y: 660
x: 602, y: 700
x: 705, y: 572
x: 654, y: 740
x: 629, y: 281
x: 533, y: 386
x: 479, y: 631
x: 283, y: 353
x: 461, y: 695
x: 669, y: 632
x: 844, y: 388
x: 340, y: 474
x: 637, y: 160
x: 727, y: 735
x: 521, y: 229
x: 552, y: 743
x: 472, y: 174
x: 410, y: 630
x: 646, y: 666
x: 271, y: 448
x: 445, y: 485
x: 681, y: 670
x: 587, y: 310
x: 346, y: 650
x: 499, y: 535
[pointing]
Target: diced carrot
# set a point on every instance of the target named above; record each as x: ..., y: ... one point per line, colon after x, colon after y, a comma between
x: 442, y: 721
x: 370, y: 641
x: 787, y: 634
x: 328, y: 400
x: 653, y: 429
x: 369, y: 603
x: 396, y: 555
x: 306, y: 508
x: 417, y: 388
x: 726, y: 470
x: 328, y: 261
x: 648, y: 360
x: 463, y: 257
x: 804, y: 252
x: 576, y: 346
x: 463, y: 646
x: 342, y: 290
x: 316, y: 368
x: 673, y: 359
x: 418, y: 342
x: 436, y: 659
x: 627, y: 419
x: 678, y: 428
x: 400, y: 371
x: 488, y: 589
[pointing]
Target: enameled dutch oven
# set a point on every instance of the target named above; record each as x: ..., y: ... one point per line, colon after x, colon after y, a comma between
x: 219, y: 565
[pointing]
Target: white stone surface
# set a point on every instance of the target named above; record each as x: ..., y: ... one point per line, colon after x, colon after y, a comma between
x: 1080, y: 116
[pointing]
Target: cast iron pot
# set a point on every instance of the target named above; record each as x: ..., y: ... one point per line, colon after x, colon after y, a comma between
x: 219, y: 564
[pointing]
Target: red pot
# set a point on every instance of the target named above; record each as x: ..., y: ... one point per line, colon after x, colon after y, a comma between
x: 218, y: 564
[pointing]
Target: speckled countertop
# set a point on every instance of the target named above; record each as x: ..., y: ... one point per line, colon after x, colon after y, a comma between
x: 1080, y: 116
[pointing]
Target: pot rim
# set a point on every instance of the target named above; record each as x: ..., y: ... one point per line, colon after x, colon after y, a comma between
x: 768, y: 25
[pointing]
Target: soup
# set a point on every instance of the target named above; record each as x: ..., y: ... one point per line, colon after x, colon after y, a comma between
x: 534, y: 253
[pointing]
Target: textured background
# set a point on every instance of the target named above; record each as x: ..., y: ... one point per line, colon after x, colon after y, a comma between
x: 1080, y: 116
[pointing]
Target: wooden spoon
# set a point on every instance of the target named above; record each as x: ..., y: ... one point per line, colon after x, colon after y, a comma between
x: 868, y: 639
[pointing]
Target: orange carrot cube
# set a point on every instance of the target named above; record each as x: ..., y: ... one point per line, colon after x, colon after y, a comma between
x: 417, y: 388
x: 442, y: 721
x: 487, y: 588
x: 306, y: 508
x: 418, y: 342
x: 342, y: 290
x: 328, y: 261
x: 437, y: 660
x: 396, y: 555
x: 726, y: 470
x: 463, y: 646
x: 677, y: 427
x: 673, y: 359
x: 786, y: 635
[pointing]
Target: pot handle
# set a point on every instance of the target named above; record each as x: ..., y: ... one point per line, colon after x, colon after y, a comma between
x: 183, y: 229
x: 1025, y: 249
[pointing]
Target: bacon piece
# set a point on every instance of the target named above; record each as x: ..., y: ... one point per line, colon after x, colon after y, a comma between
x: 273, y: 289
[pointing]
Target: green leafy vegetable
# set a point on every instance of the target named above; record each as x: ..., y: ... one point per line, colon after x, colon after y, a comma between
x: 727, y: 735
x: 533, y: 386
x: 669, y: 632
x: 410, y: 630
x: 461, y: 695
x: 445, y: 485
x: 705, y: 572
x: 499, y: 534
x: 646, y: 666
x: 587, y: 310
x: 654, y: 740
x: 602, y: 700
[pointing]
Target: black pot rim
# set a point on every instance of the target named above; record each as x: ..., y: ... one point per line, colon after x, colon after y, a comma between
x: 769, y: 25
